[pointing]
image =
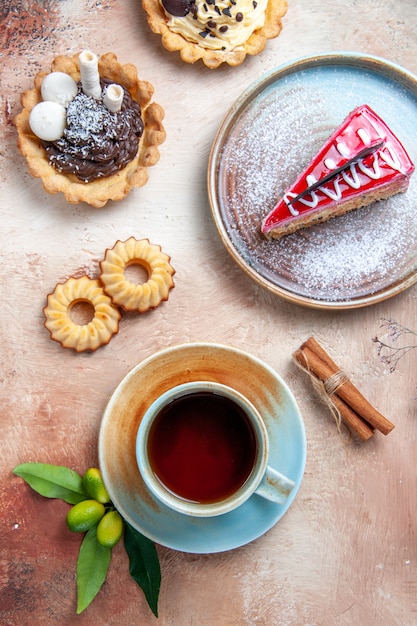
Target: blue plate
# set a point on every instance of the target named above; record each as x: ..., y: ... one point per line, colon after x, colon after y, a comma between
x: 117, y: 456
x: 265, y: 141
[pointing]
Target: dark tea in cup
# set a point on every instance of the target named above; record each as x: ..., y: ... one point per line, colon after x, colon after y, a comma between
x: 202, y: 449
x: 202, y: 446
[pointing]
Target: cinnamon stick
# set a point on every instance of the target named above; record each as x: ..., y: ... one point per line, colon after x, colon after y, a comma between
x: 353, y: 420
x: 348, y: 415
x: 323, y: 367
x: 314, y: 345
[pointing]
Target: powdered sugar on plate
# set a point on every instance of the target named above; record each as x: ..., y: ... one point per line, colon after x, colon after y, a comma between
x: 268, y: 142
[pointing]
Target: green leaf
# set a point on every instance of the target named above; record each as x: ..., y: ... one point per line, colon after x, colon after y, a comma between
x: 143, y: 565
x: 92, y: 565
x: 53, y: 481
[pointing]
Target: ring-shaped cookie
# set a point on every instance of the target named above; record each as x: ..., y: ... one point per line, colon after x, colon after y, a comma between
x: 142, y: 296
x: 81, y: 337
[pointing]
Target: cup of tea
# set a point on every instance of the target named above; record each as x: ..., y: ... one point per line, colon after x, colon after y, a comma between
x: 202, y: 449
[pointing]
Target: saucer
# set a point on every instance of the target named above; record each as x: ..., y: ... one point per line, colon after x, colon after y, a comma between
x: 117, y: 455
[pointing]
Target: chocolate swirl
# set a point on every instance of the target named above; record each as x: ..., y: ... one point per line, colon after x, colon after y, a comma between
x: 96, y: 142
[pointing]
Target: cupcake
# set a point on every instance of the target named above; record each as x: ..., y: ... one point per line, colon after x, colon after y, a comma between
x: 88, y: 128
x: 215, y: 31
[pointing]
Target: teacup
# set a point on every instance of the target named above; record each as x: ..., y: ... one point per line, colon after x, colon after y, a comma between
x: 202, y: 449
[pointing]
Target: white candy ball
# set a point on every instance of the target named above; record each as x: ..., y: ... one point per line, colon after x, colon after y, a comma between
x: 59, y: 87
x: 48, y: 120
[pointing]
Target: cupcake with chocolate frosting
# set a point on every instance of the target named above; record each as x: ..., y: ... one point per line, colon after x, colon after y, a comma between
x: 216, y: 31
x: 88, y: 128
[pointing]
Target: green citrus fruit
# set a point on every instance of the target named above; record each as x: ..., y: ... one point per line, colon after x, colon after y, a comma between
x: 110, y: 529
x: 93, y: 484
x: 84, y: 515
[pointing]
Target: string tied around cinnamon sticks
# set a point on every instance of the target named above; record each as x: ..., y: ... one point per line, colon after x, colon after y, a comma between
x: 326, y: 390
x: 332, y: 384
x: 347, y: 405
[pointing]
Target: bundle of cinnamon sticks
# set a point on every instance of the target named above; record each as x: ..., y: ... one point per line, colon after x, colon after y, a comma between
x: 355, y: 411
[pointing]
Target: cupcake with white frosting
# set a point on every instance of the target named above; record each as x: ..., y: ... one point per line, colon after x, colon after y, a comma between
x: 88, y: 128
x: 216, y: 31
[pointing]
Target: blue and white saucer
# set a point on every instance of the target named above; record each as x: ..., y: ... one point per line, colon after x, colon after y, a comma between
x: 120, y: 423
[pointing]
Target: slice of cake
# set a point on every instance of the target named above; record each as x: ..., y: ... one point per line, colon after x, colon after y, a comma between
x: 362, y: 161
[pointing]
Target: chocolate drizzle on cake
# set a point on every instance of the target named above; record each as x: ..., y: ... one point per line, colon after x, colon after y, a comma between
x: 96, y: 142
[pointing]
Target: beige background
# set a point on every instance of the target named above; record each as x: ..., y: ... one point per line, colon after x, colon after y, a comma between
x: 346, y: 552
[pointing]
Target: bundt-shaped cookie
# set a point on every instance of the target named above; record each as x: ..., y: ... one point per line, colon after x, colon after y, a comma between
x: 126, y: 294
x: 81, y: 337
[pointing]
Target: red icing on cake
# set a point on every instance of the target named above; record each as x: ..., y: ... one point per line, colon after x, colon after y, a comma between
x: 377, y: 176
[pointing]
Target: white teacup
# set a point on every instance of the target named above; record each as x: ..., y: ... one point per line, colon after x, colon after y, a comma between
x: 202, y: 449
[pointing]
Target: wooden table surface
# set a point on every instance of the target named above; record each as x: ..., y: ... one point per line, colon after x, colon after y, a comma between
x: 346, y: 551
